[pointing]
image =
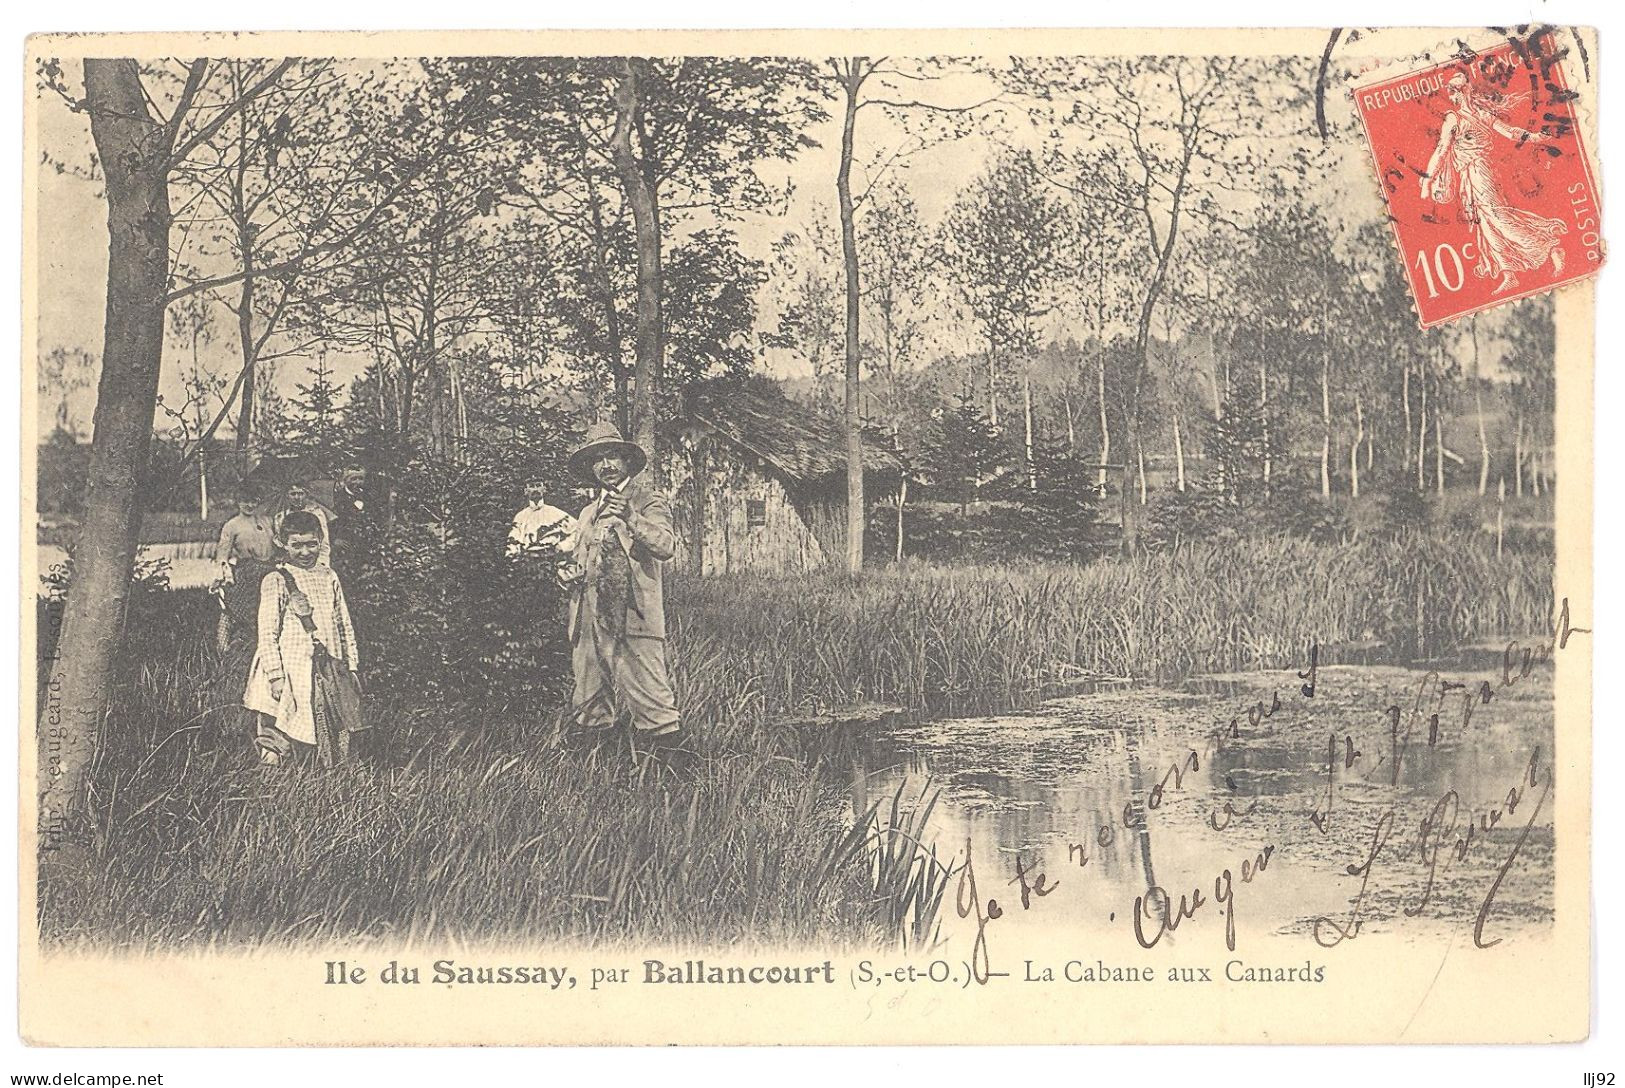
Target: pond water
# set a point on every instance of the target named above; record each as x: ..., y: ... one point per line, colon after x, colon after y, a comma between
x: 1082, y: 789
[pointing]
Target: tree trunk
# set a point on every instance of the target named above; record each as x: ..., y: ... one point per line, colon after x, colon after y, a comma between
x: 203, y: 433
x: 245, y: 410
x: 1142, y: 361
x: 641, y: 196
x: 1129, y: 509
x: 853, y: 83
x: 1225, y: 483
x: 992, y: 388
x: 1422, y: 436
x: 623, y: 400
x: 1325, y: 418
x: 131, y: 147
x: 1142, y: 339
x: 1405, y: 399
x: 406, y: 391
x: 1100, y: 361
x: 1105, y: 426
x: 1179, y: 454
x: 902, y: 499
x: 1478, y: 399
x: 1438, y: 450
x: 433, y: 371
x: 1027, y: 426
x: 614, y: 346
x: 1214, y: 380
x: 460, y: 402
x: 1354, y: 447
x: 245, y: 291
x: 1483, y: 445
x: 1264, y: 422
x: 1500, y: 516
x: 1517, y: 454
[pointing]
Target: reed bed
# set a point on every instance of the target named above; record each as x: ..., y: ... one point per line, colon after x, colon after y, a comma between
x: 474, y: 824
x: 915, y: 633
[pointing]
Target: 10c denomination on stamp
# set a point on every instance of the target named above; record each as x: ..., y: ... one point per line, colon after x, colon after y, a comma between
x: 1489, y: 187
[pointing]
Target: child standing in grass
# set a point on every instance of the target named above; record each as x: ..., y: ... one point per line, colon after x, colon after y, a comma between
x: 302, y: 613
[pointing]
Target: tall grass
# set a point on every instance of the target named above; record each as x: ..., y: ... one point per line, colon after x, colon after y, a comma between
x: 471, y: 828
x: 919, y: 631
x: 476, y: 826
x: 907, y: 878
x: 468, y: 841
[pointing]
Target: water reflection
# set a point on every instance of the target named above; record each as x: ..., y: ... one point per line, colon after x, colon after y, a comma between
x: 1115, y: 791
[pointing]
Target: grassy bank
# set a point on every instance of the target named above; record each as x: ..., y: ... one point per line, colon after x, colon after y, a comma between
x: 477, y: 827
x: 915, y: 632
x: 474, y: 827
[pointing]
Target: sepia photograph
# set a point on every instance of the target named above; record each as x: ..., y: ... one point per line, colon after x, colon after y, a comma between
x: 808, y: 537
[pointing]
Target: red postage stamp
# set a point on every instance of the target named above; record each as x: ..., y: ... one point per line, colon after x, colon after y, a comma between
x: 1488, y: 184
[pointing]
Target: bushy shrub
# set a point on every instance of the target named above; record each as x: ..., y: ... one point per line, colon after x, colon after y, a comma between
x: 1297, y: 509
x: 1051, y: 513
x: 446, y: 617
x: 1207, y: 510
x: 937, y: 530
x: 1402, y: 506
x: 1529, y: 538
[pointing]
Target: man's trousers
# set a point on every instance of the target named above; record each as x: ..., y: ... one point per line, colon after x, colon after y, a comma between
x: 621, y: 678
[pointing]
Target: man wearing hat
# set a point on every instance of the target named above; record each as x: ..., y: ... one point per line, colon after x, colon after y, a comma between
x: 617, y: 612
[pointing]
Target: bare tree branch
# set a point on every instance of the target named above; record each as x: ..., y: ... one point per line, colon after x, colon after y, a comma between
x: 230, y: 110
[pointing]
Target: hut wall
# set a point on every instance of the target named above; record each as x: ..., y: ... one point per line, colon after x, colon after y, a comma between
x: 709, y: 481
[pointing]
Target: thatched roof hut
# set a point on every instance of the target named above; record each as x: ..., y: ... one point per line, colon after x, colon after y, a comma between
x: 758, y: 481
x: 796, y: 441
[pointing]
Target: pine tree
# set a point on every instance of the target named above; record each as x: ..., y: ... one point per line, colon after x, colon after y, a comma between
x: 1236, y: 442
x: 315, y: 418
x: 1060, y: 511
x: 963, y: 452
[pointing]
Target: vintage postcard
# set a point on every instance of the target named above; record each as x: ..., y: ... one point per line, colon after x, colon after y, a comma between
x: 808, y: 537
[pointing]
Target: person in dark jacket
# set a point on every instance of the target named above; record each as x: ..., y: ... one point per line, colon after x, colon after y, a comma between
x: 350, y: 519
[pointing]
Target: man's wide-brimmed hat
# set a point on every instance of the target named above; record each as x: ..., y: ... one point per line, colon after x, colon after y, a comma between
x: 604, y: 438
